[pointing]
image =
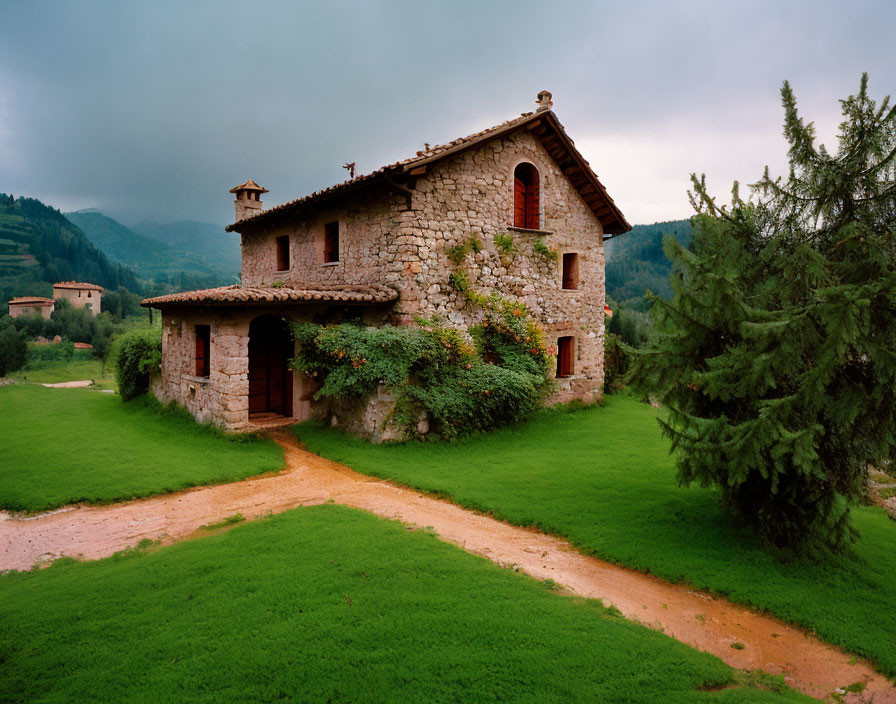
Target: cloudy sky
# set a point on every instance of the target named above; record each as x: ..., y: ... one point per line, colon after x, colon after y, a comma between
x: 155, y: 109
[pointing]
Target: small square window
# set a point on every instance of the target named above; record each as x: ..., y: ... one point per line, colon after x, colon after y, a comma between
x: 570, y: 271
x: 565, y: 356
x: 331, y: 242
x: 283, y: 253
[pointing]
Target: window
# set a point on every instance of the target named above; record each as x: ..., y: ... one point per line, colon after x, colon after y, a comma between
x: 526, y: 209
x: 203, y: 348
x: 283, y: 253
x: 90, y: 294
x: 570, y: 271
x: 565, y: 352
x: 331, y: 242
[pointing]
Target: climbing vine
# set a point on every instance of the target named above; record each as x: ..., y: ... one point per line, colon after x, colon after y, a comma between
x: 463, y: 387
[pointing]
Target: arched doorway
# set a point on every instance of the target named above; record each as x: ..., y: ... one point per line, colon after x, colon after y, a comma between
x: 270, y: 381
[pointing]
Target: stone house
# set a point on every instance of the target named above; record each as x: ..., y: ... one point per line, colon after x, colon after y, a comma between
x: 31, y: 305
x: 375, y: 248
x: 80, y: 295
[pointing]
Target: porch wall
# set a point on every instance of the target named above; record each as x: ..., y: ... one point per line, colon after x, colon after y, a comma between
x: 222, y: 398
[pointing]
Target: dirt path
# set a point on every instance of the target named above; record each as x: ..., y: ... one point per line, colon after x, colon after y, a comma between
x: 712, y: 625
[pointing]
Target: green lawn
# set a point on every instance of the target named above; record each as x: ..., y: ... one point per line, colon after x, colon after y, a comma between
x: 604, y: 478
x: 76, y: 370
x: 66, y: 445
x: 327, y: 604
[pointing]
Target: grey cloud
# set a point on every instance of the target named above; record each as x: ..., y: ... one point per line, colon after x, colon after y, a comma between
x: 155, y: 109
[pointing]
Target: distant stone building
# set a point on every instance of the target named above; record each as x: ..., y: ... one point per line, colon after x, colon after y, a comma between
x: 80, y: 295
x: 31, y: 305
x: 375, y: 248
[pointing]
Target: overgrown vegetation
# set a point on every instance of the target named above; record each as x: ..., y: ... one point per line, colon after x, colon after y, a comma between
x: 462, y: 387
x: 13, y: 348
x: 458, y: 253
x: 137, y: 355
x: 777, y: 355
x: 603, y: 478
x: 62, y: 446
x: 73, y: 324
x: 542, y: 250
x: 506, y: 246
x: 327, y: 604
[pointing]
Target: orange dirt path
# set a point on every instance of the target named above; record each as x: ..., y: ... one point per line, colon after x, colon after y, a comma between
x: 706, y: 623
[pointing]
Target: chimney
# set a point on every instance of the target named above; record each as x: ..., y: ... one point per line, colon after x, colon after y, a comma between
x: 543, y: 100
x: 248, y: 199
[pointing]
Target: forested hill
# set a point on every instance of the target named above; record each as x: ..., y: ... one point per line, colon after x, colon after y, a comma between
x: 189, y: 264
x: 635, y: 261
x: 39, y: 247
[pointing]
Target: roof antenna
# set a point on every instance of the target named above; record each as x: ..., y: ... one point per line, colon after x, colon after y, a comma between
x: 350, y: 168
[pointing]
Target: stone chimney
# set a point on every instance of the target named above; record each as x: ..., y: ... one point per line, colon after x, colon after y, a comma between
x: 543, y: 100
x: 248, y: 199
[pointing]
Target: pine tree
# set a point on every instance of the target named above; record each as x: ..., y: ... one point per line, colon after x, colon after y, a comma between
x: 776, y: 357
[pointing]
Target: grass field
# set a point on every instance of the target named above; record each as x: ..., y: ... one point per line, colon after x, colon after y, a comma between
x: 76, y: 370
x: 67, y: 445
x: 327, y: 604
x: 604, y: 478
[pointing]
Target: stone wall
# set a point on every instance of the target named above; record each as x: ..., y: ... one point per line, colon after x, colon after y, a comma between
x: 19, y: 309
x: 472, y: 194
x: 222, y: 398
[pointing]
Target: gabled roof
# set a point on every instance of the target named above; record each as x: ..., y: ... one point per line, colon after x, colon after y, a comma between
x: 79, y: 286
x: 290, y: 293
x: 543, y: 124
x: 249, y: 185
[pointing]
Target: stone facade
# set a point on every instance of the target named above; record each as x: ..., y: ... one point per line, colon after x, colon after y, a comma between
x: 468, y: 195
x: 31, y: 306
x: 399, y: 234
x: 80, y: 295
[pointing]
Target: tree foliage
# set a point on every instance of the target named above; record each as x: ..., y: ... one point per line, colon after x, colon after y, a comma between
x: 777, y: 355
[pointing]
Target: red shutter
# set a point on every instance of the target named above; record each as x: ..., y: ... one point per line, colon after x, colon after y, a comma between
x: 564, y: 356
x: 519, y: 203
x: 203, y: 340
x: 533, y: 222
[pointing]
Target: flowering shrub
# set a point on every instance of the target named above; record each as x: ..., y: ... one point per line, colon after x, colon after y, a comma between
x: 463, y: 387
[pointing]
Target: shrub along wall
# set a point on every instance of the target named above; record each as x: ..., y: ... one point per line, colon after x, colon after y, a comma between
x: 498, y: 378
x: 137, y: 355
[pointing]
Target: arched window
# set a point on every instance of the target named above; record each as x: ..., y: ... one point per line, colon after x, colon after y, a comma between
x: 525, y: 197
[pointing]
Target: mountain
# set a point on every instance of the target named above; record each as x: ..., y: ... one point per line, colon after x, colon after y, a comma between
x: 179, y: 262
x: 635, y: 261
x: 39, y: 247
x: 220, y: 248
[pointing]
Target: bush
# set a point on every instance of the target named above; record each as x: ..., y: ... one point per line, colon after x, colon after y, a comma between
x: 136, y: 355
x: 13, y: 349
x: 463, y: 388
x: 42, y: 355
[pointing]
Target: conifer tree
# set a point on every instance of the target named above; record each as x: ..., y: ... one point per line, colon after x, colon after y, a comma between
x: 776, y: 357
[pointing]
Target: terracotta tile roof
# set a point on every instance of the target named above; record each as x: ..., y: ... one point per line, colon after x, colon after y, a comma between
x: 32, y: 300
x: 83, y: 346
x: 78, y: 285
x: 290, y: 293
x: 249, y: 185
x: 607, y: 211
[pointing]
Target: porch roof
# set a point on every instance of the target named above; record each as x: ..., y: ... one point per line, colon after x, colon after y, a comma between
x: 289, y: 293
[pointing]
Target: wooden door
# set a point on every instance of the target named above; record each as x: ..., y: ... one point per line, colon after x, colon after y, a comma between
x: 270, y: 380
